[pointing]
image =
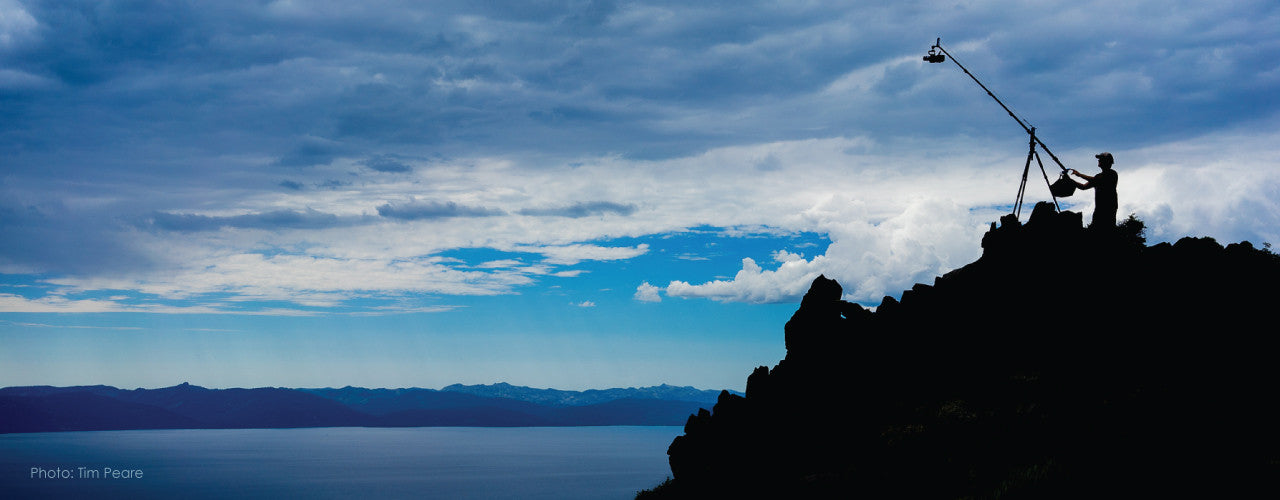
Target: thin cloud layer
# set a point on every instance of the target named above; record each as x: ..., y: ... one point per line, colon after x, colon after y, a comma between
x: 415, y: 210
x: 387, y: 163
x: 278, y: 219
x: 582, y: 209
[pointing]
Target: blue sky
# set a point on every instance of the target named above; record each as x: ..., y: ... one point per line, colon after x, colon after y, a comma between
x: 568, y: 194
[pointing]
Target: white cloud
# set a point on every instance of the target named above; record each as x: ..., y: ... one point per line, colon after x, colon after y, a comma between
x: 499, y: 264
x: 58, y: 304
x: 54, y: 304
x: 648, y: 293
x: 1224, y: 185
x: 308, y: 279
x: 572, y: 254
x: 752, y: 284
x: 585, y: 303
x: 870, y: 260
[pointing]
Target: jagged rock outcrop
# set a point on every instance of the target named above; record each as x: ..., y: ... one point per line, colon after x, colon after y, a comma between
x: 1064, y: 363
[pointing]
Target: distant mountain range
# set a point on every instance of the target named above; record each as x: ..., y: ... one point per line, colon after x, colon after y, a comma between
x: 185, y: 406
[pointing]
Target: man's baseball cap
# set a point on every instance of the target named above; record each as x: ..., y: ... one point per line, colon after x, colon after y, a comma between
x: 1106, y: 156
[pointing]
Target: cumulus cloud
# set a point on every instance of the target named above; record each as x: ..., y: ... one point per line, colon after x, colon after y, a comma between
x: 1220, y: 185
x: 753, y: 284
x: 870, y: 260
x: 648, y: 293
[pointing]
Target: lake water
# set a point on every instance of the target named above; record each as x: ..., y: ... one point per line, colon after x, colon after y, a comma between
x: 420, y: 462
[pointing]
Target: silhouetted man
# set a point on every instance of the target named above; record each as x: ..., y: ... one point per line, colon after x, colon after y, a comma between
x: 1105, y: 202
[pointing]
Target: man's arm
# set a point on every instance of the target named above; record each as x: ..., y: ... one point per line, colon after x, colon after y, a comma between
x: 1088, y: 180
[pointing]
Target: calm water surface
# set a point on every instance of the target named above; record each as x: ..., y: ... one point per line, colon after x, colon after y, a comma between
x: 420, y: 462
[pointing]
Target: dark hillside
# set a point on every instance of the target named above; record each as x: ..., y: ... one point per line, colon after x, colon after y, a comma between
x: 1061, y: 364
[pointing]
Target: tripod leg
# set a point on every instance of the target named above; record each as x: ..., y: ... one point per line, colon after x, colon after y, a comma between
x: 1046, y: 180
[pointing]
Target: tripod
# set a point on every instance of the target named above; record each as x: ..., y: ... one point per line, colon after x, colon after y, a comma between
x: 1022, y: 188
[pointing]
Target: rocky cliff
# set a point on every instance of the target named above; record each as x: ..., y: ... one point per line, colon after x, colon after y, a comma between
x: 1064, y: 363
